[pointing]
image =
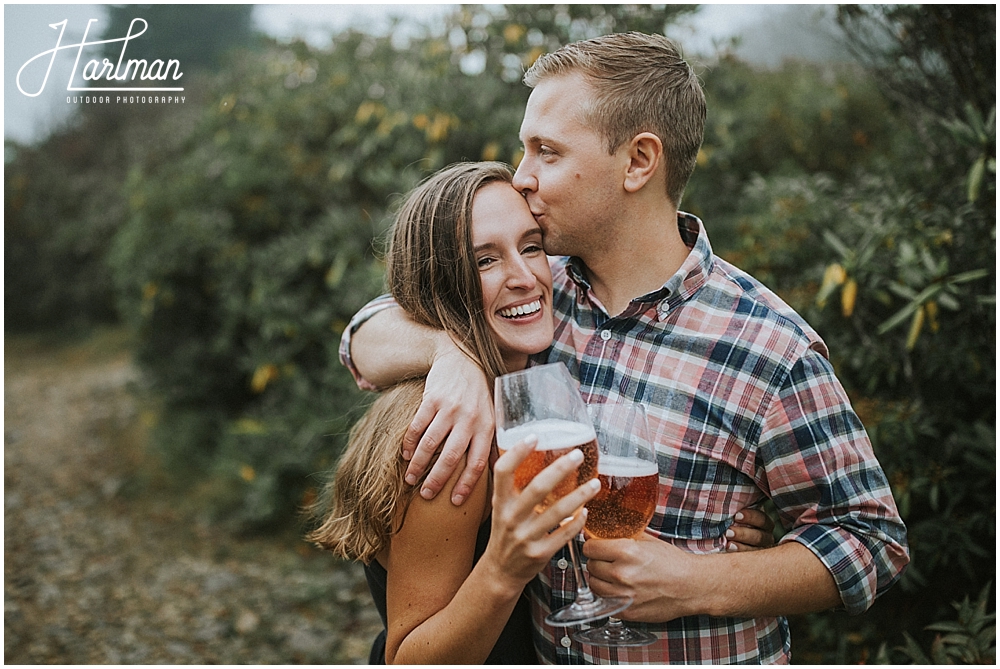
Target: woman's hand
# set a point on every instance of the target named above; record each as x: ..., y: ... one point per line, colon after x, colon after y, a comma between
x: 752, y: 529
x: 522, y: 540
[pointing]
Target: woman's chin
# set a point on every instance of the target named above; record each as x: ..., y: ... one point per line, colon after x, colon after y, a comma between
x: 526, y: 345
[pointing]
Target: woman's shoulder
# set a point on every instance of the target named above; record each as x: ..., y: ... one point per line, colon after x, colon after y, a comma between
x: 441, y: 510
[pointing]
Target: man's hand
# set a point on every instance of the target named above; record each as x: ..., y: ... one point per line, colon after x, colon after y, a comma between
x: 456, y: 415
x: 658, y: 576
x: 668, y: 583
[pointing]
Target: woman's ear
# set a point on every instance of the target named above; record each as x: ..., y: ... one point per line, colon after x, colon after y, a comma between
x: 645, y: 153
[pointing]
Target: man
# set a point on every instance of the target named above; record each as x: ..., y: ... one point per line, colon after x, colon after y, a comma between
x: 741, y: 398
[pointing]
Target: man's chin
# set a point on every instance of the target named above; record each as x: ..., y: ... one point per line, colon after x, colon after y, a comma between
x: 553, y: 246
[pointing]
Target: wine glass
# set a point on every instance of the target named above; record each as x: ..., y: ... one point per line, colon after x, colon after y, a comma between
x: 623, y: 508
x: 544, y: 401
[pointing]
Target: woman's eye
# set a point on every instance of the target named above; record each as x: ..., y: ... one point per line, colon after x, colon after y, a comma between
x: 484, y: 262
x: 532, y: 248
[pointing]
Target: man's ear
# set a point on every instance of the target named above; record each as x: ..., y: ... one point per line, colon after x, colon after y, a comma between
x: 645, y: 153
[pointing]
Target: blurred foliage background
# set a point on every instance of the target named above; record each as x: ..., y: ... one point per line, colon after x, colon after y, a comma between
x: 235, y: 236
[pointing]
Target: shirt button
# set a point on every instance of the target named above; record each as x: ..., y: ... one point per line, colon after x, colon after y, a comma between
x: 565, y: 642
x: 605, y: 334
x: 562, y: 564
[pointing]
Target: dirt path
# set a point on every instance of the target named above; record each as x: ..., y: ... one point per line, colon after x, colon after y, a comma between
x: 102, y: 566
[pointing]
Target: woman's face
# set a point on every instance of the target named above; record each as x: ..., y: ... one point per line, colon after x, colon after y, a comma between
x: 514, y: 271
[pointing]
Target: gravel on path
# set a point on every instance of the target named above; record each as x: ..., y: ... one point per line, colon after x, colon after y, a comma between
x: 102, y: 566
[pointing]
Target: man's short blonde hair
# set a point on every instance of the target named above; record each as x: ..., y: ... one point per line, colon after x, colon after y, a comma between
x: 641, y: 84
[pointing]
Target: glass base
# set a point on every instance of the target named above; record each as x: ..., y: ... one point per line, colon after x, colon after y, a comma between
x: 585, y: 612
x: 614, y: 634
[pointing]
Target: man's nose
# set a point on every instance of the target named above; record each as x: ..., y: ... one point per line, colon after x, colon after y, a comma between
x: 524, y: 181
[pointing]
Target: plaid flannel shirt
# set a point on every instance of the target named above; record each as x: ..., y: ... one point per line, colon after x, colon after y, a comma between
x: 743, y: 405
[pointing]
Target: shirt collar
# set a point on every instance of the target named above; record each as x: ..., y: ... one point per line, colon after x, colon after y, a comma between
x: 685, y: 282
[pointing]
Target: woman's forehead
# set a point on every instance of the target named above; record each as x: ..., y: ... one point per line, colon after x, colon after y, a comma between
x: 499, y: 211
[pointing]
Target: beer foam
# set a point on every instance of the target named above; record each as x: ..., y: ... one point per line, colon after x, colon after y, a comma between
x: 616, y: 465
x: 552, y: 433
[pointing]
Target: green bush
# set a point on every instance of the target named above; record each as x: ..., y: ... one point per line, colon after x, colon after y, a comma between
x: 799, y: 119
x: 250, y: 243
x: 894, y: 263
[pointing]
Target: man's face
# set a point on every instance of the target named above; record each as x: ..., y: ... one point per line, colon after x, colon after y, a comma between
x: 571, y: 183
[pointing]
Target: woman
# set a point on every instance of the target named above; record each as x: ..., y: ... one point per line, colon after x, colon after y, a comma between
x: 466, y: 257
x: 451, y: 578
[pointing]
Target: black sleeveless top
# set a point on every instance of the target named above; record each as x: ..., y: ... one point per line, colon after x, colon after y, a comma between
x: 514, y: 645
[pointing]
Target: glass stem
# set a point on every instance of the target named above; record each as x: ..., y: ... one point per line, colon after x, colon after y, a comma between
x: 583, y: 594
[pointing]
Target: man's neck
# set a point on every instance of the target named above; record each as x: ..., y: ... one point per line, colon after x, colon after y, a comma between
x: 642, y: 256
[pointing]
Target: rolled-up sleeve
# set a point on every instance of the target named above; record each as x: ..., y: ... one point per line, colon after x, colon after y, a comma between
x: 829, y: 488
x: 380, y: 303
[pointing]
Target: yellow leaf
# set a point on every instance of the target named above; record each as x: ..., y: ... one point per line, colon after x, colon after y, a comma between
x: 491, y: 151
x: 247, y: 473
x: 263, y: 376
x: 837, y: 273
x: 832, y: 277
x: 150, y: 290
x: 248, y: 426
x: 916, y: 325
x: 366, y: 110
x: 932, y: 311
x: 438, y: 129
x: 848, y: 295
x: 513, y: 32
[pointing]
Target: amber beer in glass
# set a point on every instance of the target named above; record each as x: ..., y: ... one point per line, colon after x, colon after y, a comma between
x: 630, y: 480
x: 556, y: 438
x: 627, y: 500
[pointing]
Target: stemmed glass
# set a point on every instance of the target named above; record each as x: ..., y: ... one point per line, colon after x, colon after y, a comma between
x: 623, y: 508
x: 544, y: 401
